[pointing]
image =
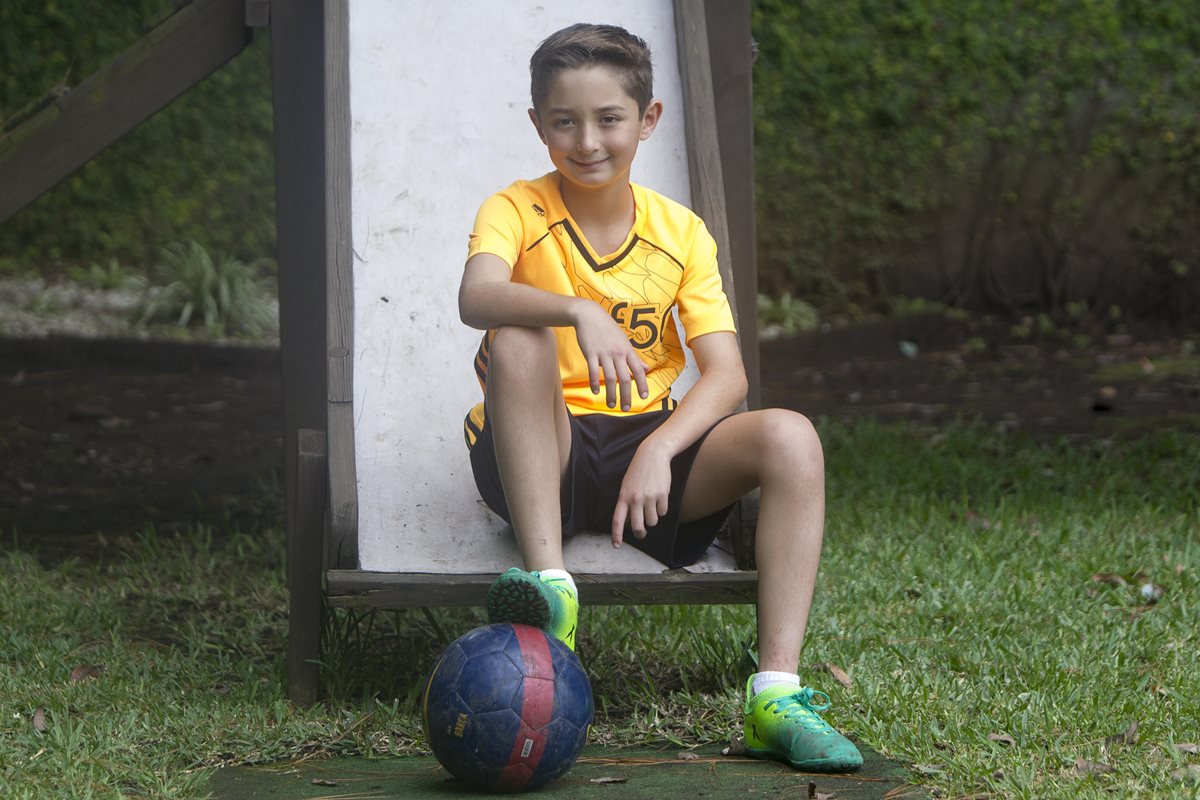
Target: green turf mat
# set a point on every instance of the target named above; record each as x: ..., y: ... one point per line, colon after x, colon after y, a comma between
x: 627, y: 774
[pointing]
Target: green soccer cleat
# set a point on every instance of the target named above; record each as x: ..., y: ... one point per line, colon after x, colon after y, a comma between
x: 528, y: 598
x: 782, y: 723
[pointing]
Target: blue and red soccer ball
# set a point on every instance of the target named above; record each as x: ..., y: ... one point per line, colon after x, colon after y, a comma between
x: 507, y: 708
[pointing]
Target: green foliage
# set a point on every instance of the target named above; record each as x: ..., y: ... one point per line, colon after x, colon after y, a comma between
x: 785, y: 315
x: 202, y: 168
x: 106, y: 277
x: 991, y: 153
x: 224, y: 294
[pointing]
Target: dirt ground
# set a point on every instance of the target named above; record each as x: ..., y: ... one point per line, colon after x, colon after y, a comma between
x: 99, y: 439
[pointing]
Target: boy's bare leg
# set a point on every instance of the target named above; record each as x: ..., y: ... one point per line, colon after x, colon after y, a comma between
x: 780, y: 452
x: 532, y: 434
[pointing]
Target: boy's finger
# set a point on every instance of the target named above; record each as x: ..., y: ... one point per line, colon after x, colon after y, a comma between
x: 618, y: 525
x: 639, y: 375
x: 636, y: 522
x: 626, y: 398
x: 594, y: 374
x: 610, y: 382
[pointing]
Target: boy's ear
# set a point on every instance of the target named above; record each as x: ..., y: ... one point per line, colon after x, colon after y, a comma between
x: 650, y: 118
x: 537, y: 124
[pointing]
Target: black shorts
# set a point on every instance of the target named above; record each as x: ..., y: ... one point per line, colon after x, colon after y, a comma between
x: 602, y: 446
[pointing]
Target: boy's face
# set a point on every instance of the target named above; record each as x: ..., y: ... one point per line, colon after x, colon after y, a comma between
x: 591, y: 126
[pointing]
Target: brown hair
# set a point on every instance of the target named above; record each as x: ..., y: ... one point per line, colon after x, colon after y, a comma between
x: 584, y: 45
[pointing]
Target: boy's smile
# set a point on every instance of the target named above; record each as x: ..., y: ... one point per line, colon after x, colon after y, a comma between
x: 591, y: 127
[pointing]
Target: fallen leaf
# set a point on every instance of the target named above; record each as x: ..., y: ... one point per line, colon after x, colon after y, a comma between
x: 1002, y: 738
x: 837, y: 672
x: 737, y: 747
x: 1127, y: 736
x: 685, y: 756
x: 1085, y: 767
x: 85, y: 671
x: 323, y: 782
x: 929, y: 769
x: 1188, y: 747
x: 1151, y: 592
x: 609, y: 780
x: 1190, y: 773
x: 39, y: 720
x: 1111, y: 578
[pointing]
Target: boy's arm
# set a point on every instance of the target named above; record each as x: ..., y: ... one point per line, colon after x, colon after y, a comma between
x: 489, y: 298
x: 719, y: 391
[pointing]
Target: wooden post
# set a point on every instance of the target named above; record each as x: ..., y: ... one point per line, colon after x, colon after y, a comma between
x: 731, y: 49
x: 305, y: 568
x: 297, y: 77
x: 339, y: 359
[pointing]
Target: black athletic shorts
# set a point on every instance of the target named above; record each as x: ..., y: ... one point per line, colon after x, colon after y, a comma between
x: 602, y: 446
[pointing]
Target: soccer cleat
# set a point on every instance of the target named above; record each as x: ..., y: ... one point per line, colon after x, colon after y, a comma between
x: 782, y: 723
x: 528, y: 598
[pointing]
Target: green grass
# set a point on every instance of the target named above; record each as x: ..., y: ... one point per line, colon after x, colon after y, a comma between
x: 957, y: 589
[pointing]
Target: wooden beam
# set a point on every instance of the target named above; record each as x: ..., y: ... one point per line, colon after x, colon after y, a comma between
x: 167, y: 61
x: 356, y: 589
x: 700, y: 129
x: 298, y: 97
x: 730, y: 43
x: 304, y: 569
x: 706, y: 174
x: 343, y: 480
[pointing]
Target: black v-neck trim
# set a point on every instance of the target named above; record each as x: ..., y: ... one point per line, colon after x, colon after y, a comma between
x: 587, y: 255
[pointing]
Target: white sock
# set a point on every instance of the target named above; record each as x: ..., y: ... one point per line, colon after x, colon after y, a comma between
x: 763, y: 680
x: 564, y: 576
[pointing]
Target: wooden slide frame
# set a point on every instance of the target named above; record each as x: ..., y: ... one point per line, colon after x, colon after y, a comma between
x: 715, y: 51
x: 311, y: 105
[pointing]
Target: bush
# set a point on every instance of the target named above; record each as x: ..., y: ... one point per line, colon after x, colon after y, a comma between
x: 989, y: 154
x: 224, y: 294
x: 202, y: 168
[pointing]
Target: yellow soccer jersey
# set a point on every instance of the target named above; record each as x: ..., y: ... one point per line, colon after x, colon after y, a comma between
x: 669, y: 260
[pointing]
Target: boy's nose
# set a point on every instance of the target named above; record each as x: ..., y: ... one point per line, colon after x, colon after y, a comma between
x: 587, y: 141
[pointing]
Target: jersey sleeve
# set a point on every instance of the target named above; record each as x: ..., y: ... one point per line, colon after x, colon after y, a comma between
x: 497, y: 230
x: 703, y: 305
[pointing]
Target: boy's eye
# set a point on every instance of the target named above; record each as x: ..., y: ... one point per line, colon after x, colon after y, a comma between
x: 609, y: 119
x: 562, y: 123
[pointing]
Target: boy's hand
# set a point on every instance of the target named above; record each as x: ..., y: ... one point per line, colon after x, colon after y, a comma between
x: 644, y: 493
x: 606, y: 348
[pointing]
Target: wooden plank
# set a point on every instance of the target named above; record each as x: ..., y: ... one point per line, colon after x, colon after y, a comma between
x: 356, y: 589
x: 299, y: 106
x: 731, y: 50
x: 700, y: 125
x: 705, y: 169
x: 304, y: 569
x: 343, y: 480
x: 163, y: 64
x: 258, y: 13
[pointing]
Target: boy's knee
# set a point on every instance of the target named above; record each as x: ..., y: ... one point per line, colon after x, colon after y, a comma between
x: 791, y: 441
x: 524, y: 349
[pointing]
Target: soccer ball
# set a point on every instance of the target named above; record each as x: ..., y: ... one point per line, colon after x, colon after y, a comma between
x: 507, y: 708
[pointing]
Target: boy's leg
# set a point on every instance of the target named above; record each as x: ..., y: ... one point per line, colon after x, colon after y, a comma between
x: 779, y: 452
x: 531, y: 432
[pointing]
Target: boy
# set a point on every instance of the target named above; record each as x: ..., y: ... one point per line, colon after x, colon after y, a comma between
x: 574, y: 276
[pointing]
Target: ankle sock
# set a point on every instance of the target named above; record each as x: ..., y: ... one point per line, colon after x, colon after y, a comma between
x: 763, y: 680
x: 563, y: 576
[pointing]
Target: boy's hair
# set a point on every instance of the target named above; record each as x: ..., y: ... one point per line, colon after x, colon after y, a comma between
x: 585, y: 45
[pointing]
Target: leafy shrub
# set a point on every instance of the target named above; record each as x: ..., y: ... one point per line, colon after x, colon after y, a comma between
x: 106, y: 277
x: 991, y: 154
x: 202, y: 168
x: 223, y: 294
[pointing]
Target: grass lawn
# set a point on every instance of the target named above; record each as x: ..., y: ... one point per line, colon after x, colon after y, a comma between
x: 989, y: 597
